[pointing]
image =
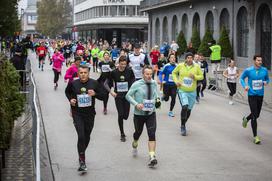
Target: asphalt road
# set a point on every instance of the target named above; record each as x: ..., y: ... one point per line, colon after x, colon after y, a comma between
x: 216, y: 148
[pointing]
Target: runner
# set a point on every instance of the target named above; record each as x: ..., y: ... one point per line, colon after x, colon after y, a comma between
x: 186, y: 75
x: 143, y: 96
x: 106, y: 67
x: 231, y: 74
x: 169, y: 86
x: 137, y: 61
x: 41, y: 52
x: 72, y: 71
x: 67, y: 52
x: 123, y: 78
x: 57, y: 59
x: 258, y: 77
x: 81, y: 94
x: 94, y: 54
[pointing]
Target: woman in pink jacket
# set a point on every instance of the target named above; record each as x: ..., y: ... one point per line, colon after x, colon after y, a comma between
x: 57, y: 59
x: 71, y: 72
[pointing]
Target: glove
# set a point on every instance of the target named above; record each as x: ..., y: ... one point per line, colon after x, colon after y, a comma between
x: 158, y: 103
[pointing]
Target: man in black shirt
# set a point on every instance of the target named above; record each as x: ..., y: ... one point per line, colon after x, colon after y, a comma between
x: 123, y: 78
x: 81, y: 94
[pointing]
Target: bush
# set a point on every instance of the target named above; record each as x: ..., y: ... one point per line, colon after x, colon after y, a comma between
x: 181, y: 41
x: 204, y: 46
x: 225, y: 44
x: 195, y: 39
x: 11, y: 101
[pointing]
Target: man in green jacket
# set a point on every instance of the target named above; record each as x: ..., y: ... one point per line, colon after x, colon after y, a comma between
x: 186, y: 75
x: 144, y: 97
x: 215, y: 58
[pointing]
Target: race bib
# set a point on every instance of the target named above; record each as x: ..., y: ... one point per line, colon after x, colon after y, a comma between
x: 84, y: 100
x: 122, y: 86
x: 187, y: 82
x: 67, y: 51
x: 137, y: 71
x: 170, y: 78
x: 105, y: 68
x: 41, y: 52
x: 257, y: 84
x: 148, y: 105
x: 232, y: 79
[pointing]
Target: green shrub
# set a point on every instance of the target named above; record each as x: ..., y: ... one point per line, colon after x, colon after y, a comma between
x: 11, y: 101
x: 195, y: 38
x: 204, y: 46
x: 225, y: 44
x: 181, y: 41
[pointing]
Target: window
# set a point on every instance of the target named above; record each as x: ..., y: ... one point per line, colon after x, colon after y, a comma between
x: 224, y: 20
x: 113, y: 10
x: 184, y: 25
x: 209, y: 21
x: 242, y: 33
x: 196, y: 22
x: 131, y: 10
x: 121, y: 11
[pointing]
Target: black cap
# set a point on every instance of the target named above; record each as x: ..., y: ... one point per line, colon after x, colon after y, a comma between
x: 137, y: 45
x: 189, y: 54
x: 18, y: 49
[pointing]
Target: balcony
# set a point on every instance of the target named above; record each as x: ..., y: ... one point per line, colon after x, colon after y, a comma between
x: 147, y: 5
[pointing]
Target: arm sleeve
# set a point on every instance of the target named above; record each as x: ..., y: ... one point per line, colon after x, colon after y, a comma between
x: 130, y: 93
x: 175, y: 74
x: 242, y: 78
x: 69, y: 91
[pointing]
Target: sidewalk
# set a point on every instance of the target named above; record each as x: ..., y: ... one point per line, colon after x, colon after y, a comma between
x: 19, y: 163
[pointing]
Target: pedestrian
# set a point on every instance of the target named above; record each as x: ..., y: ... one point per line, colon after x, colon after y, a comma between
x: 57, y: 60
x: 123, y: 77
x: 81, y: 94
x: 169, y: 86
x: 257, y: 77
x: 143, y: 96
x: 186, y: 75
x: 231, y: 74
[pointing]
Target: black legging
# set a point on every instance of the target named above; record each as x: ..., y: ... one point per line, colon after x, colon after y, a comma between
x: 84, y: 126
x: 95, y: 64
x: 170, y: 91
x: 105, y: 100
x: 185, y: 114
x: 56, y: 76
x: 151, y: 125
x: 123, y: 107
x: 201, y: 88
x: 255, y: 104
x: 232, y: 88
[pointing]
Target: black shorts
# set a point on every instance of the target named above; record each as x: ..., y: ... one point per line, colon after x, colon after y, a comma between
x: 41, y: 58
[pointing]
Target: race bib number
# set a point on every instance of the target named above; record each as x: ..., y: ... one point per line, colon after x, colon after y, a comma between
x: 232, y: 79
x: 257, y: 84
x: 42, y: 52
x: 122, y: 86
x: 187, y: 82
x: 84, y: 100
x: 105, y: 68
x: 67, y: 51
x: 138, y: 71
x: 148, y: 105
x: 170, y: 79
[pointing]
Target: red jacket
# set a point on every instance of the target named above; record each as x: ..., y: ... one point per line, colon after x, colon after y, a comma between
x: 154, y: 55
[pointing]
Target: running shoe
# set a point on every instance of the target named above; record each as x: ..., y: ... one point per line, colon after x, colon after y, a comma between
x: 197, y: 100
x: 123, y: 138
x: 105, y: 111
x: 171, y: 114
x: 245, y: 121
x: 231, y: 103
x: 183, y: 131
x: 257, y: 140
x: 152, y: 162
x: 82, y: 167
x: 134, y: 146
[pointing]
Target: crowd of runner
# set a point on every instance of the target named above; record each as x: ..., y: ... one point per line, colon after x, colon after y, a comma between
x: 134, y: 76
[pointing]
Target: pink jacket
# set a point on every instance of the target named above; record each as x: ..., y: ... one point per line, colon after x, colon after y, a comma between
x: 71, y: 73
x: 58, y: 59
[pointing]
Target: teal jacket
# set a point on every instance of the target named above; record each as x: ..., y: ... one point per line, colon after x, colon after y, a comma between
x: 138, y: 92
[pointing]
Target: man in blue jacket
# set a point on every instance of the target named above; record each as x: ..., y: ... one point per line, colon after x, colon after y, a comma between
x: 258, y: 77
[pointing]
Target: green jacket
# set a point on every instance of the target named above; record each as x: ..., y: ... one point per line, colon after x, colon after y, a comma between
x: 216, y: 53
x: 181, y: 74
x: 138, y: 93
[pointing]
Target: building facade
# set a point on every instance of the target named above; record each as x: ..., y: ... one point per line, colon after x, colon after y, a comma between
x: 110, y: 19
x: 29, y: 18
x: 247, y: 21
